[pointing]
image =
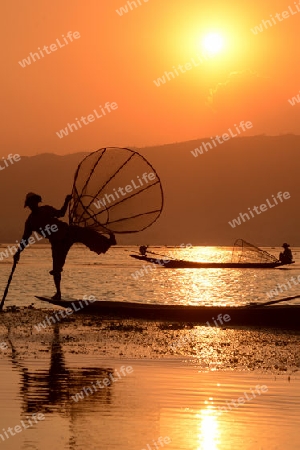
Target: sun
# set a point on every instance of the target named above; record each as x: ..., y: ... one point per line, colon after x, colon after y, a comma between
x: 213, y: 43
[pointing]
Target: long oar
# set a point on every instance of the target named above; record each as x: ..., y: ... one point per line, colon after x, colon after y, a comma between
x: 272, y: 302
x: 153, y: 253
x: 164, y: 256
x: 8, y: 283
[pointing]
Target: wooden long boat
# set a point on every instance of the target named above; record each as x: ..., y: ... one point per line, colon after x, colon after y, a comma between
x: 283, y: 317
x: 181, y: 264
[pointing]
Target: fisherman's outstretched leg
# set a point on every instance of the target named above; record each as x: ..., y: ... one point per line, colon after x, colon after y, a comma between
x: 57, y: 280
x: 60, y: 251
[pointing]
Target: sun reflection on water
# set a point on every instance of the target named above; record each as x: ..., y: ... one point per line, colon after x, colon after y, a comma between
x: 209, y: 431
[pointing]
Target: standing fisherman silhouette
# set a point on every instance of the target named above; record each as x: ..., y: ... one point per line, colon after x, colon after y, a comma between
x: 46, y: 218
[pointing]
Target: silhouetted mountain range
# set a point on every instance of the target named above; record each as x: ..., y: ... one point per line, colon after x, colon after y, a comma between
x: 202, y: 194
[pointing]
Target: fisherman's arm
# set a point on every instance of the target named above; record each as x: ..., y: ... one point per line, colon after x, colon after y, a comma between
x: 61, y: 212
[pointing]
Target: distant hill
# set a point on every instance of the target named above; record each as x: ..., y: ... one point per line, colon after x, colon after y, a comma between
x: 201, y: 194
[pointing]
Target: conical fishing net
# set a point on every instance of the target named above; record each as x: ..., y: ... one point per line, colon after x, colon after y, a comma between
x: 244, y: 252
x: 117, y: 190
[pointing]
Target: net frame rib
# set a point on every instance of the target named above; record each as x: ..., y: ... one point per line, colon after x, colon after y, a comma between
x: 240, y: 246
x: 92, y: 217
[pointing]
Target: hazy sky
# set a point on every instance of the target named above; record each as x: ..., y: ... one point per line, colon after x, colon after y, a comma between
x: 117, y: 57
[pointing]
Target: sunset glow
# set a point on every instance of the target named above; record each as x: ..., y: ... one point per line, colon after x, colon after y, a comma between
x: 149, y: 191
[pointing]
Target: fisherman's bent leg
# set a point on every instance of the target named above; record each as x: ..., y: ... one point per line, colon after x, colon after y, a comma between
x: 95, y: 241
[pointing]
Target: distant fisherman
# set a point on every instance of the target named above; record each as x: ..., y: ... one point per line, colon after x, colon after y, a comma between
x: 63, y: 236
x: 286, y: 257
x: 143, y: 249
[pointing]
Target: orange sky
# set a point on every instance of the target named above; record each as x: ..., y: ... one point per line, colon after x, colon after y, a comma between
x: 117, y: 58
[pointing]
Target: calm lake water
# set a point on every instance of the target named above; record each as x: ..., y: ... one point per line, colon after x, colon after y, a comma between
x: 170, y: 402
x: 110, y: 277
x: 167, y: 399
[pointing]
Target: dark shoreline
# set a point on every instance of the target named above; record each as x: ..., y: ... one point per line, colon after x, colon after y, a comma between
x: 265, y: 350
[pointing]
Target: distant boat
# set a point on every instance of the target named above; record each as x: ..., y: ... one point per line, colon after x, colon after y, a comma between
x: 181, y: 264
x: 244, y: 256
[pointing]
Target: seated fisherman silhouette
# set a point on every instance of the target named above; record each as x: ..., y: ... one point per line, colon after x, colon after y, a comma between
x: 62, y: 235
x: 286, y: 257
x: 143, y: 249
